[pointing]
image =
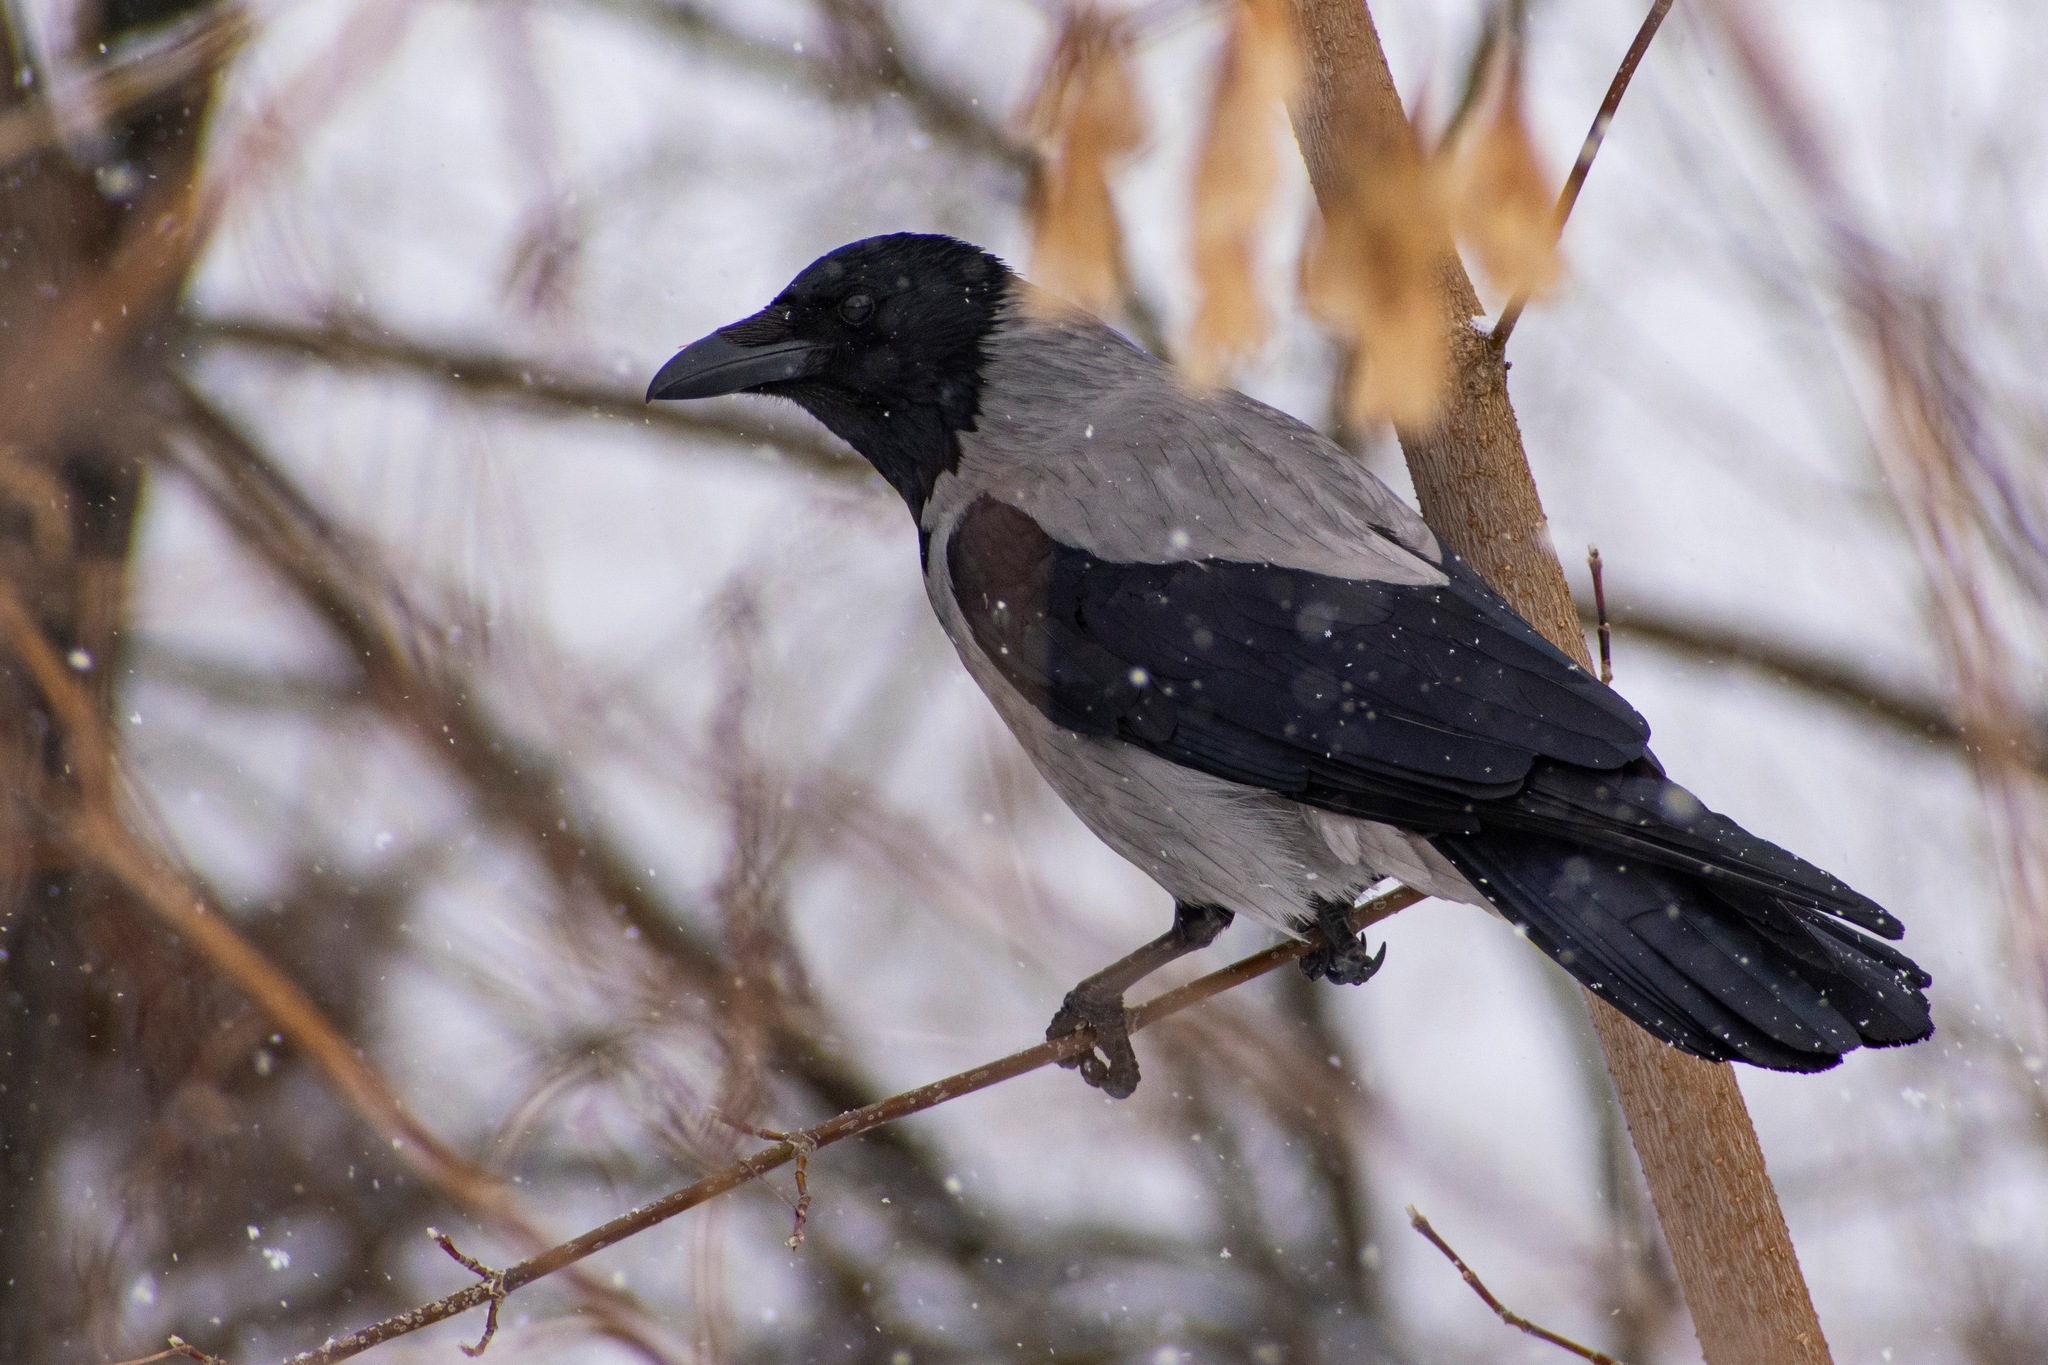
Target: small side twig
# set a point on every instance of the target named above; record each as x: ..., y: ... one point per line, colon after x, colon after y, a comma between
x: 1603, y: 629
x: 1501, y: 1310
x: 803, y: 1144
x: 1568, y: 197
x: 494, y: 1286
x: 183, y: 1350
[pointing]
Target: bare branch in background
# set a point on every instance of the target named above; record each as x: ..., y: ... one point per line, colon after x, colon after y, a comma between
x: 1954, y: 486
x: 870, y: 66
x: 530, y: 383
x: 100, y: 834
x: 190, y: 47
x: 1859, y: 693
x: 851, y: 1123
x: 1501, y: 1310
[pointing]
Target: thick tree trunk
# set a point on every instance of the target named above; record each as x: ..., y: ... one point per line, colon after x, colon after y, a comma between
x: 79, y: 973
x: 1720, y: 1215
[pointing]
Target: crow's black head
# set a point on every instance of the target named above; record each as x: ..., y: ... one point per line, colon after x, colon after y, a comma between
x: 881, y: 340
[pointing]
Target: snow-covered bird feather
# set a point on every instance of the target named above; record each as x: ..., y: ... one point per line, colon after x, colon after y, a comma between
x: 1254, y: 672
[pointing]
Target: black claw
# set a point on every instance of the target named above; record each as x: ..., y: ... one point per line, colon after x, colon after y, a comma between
x: 1110, y: 1066
x: 1340, y: 958
x: 1349, y: 965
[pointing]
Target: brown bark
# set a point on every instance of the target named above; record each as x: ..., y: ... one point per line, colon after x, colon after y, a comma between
x: 77, y: 323
x: 1728, y: 1239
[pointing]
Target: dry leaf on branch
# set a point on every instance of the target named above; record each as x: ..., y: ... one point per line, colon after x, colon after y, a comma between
x: 1083, y: 122
x: 1234, y: 181
x: 1502, y: 204
x: 1372, y: 271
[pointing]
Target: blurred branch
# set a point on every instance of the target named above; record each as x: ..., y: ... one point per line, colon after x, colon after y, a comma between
x: 1918, y: 714
x: 223, y: 680
x: 851, y: 1123
x: 97, y: 832
x: 142, y: 69
x: 872, y: 63
x: 1962, y: 493
x: 869, y: 67
x: 1568, y: 197
x: 1501, y: 1310
x: 519, y: 790
x: 524, y: 382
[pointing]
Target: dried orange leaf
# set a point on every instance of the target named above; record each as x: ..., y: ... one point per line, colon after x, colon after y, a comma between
x: 1502, y: 204
x: 1234, y: 181
x: 1084, y: 121
x: 1373, y: 271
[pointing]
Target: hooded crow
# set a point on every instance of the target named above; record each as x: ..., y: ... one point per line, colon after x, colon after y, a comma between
x: 1256, y: 674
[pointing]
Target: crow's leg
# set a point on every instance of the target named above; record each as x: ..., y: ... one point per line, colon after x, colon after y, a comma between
x: 1340, y: 958
x: 1098, y: 1002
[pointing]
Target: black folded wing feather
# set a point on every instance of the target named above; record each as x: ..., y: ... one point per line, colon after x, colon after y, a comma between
x: 1393, y: 701
x: 1437, y: 709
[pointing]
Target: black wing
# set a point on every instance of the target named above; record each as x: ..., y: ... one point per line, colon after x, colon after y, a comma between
x: 1435, y: 708
x: 1401, y: 703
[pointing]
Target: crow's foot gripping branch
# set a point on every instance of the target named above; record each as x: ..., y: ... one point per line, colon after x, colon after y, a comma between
x: 1111, y: 1066
x: 1097, y: 1004
x: 1340, y: 957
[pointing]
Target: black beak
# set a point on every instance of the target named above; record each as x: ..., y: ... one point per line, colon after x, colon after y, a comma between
x: 718, y: 364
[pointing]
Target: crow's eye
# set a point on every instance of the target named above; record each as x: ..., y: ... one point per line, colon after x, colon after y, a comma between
x: 857, y: 308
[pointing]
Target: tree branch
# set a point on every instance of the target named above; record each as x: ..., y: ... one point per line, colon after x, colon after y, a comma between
x: 868, y: 70
x: 521, y: 791
x: 526, y: 382
x: 97, y: 833
x: 1920, y: 715
x: 1699, y: 1150
x: 850, y: 1123
x: 193, y: 46
x: 1501, y: 1310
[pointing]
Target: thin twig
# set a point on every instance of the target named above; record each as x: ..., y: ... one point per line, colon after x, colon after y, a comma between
x: 1568, y: 197
x: 887, y: 75
x: 851, y: 1123
x: 1501, y: 1310
x: 183, y: 1350
x: 801, y: 1206
x: 804, y: 1148
x: 1605, y: 631
x: 493, y: 1281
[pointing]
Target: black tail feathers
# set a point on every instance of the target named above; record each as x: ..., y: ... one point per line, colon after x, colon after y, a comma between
x: 1714, y: 940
